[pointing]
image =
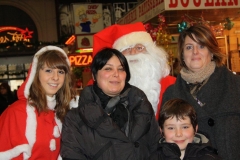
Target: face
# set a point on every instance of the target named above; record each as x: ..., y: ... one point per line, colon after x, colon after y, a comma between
x: 51, y: 79
x: 111, y: 78
x: 138, y: 48
x: 195, y: 56
x: 3, y: 90
x: 180, y: 132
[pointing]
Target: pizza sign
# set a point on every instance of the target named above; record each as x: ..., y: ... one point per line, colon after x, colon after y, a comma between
x: 80, y: 59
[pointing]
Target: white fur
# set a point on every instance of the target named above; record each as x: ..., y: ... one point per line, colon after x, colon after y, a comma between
x: 56, y: 132
x: 16, y: 151
x: 59, y: 123
x: 74, y: 102
x: 59, y: 157
x: 52, y: 144
x: 146, y: 71
x: 31, y: 125
x: 140, y: 37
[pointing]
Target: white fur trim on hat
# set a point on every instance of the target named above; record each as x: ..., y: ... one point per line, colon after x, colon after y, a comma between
x: 139, y: 37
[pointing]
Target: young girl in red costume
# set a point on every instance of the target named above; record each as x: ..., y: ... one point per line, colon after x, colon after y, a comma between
x: 31, y: 127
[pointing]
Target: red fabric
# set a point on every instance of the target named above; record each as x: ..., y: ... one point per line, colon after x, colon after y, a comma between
x: 109, y: 35
x: 90, y: 82
x: 165, y: 82
x: 13, y: 124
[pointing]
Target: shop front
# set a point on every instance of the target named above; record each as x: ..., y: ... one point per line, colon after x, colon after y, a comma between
x: 164, y: 20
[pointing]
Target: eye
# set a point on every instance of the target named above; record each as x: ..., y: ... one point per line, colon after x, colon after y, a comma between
x: 121, y: 69
x: 107, y: 68
x: 48, y: 70
x: 188, y: 47
x: 201, y: 46
x: 61, y: 71
x: 170, y: 128
x: 139, y: 47
x: 185, y: 127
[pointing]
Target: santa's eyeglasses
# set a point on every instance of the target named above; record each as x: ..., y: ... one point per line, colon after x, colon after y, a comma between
x: 138, y: 48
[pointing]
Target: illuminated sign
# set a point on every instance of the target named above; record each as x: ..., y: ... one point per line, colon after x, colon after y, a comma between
x: 80, y: 59
x: 84, y: 50
x: 70, y: 40
x: 14, y: 34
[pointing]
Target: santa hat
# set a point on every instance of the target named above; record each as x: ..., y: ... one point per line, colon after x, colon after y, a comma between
x: 121, y: 37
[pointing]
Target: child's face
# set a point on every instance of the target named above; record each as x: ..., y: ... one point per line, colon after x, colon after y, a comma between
x: 180, y: 131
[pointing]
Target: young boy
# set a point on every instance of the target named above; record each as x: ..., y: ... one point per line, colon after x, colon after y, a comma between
x: 178, y: 125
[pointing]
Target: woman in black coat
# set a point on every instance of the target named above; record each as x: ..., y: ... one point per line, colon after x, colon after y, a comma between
x: 114, y: 120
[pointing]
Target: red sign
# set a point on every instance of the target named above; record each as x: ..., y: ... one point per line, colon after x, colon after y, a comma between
x: 173, y: 4
x: 80, y: 59
x: 14, y: 34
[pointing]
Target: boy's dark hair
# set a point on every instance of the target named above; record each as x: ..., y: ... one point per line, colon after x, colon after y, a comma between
x: 177, y: 108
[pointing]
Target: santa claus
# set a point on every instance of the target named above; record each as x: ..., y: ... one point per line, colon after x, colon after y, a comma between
x: 147, y: 62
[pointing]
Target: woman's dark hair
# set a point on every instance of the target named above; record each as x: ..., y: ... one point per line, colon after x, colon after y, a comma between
x: 6, y: 86
x: 177, y: 108
x: 103, y: 56
x: 204, y: 36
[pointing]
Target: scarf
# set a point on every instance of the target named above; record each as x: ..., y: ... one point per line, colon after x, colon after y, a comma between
x: 196, y: 80
x: 200, y: 76
x: 115, y: 107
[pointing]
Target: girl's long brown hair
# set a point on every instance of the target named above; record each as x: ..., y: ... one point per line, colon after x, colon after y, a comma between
x: 37, y: 96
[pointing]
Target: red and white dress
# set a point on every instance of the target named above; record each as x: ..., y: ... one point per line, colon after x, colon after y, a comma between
x: 25, y: 134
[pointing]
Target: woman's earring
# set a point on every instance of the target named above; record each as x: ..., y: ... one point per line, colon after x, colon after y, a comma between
x: 212, y: 58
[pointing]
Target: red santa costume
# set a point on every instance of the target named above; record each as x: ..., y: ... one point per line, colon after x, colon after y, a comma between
x: 149, y: 70
x: 33, y: 135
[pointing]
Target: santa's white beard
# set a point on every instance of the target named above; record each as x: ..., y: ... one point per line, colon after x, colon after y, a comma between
x: 146, y: 74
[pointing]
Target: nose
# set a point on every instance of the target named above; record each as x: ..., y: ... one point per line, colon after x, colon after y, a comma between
x: 195, y: 50
x: 178, y: 133
x: 133, y: 51
x: 55, y: 76
x: 115, y: 74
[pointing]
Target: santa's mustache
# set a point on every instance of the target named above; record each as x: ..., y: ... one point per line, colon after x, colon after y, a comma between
x: 135, y: 58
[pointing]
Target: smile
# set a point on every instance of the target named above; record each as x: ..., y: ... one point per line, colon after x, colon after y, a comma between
x: 53, y: 85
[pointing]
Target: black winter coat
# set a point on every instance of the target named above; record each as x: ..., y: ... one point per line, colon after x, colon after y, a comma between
x: 89, y: 133
x: 194, y: 151
x: 219, y: 118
